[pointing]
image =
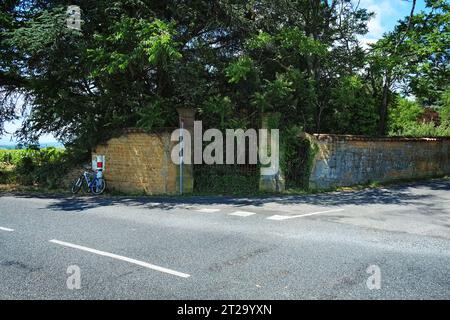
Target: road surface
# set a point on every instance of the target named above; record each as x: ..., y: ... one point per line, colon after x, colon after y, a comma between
x: 388, y: 243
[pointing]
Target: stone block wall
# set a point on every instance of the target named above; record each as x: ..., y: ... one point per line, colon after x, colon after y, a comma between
x: 139, y: 162
x: 352, y: 160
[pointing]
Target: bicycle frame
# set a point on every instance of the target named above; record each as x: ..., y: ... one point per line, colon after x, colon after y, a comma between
x: 90, y: 183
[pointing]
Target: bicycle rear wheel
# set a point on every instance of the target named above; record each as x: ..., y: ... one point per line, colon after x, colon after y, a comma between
x: 76, y: 185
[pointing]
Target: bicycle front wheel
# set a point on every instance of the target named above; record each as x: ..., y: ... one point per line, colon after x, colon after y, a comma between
x: 99, y: 186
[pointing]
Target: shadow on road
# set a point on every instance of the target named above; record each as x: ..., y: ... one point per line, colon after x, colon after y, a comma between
x: 399, y: 195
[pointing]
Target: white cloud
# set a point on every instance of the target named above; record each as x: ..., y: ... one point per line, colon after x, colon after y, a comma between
x: 384, y: 12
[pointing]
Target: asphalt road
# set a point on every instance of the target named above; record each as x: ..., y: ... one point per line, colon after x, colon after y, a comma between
x: 298, y: 247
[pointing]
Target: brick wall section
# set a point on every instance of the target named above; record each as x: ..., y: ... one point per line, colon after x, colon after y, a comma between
x: 139, y: 162
x: 351, y: 160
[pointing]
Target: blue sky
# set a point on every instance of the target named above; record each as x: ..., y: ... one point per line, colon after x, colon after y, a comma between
x: 387, y: 13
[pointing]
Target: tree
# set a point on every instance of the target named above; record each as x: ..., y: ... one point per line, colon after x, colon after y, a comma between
x: 135, y: 61
x: 387, y: 59
x: 10, y: 81
x: 413, y: 59
x: 297, y: 58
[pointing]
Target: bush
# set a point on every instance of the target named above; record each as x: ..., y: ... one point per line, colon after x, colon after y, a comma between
x: 405, y: 120
x: 44, y: 167
x: 424, y: 130
x: 404, y: 114
x: 25, y: 170
x: 444, y: 106
x: 11, y: 156
x: 226, y: 179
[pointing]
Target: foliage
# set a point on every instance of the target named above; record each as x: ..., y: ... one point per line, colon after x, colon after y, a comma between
x: 151, y: 116
x: 404, y: 119
x: 293, y: 157
x: 356, y: 111
x: 427, y: 57
x: 444, y: 105
x: 44, y: 167
x: 225, y: 179
x: 218, y: 109
x: 134, y: 62
x: 413, y: 59
x: 404, y: 114
x: 428, y: 129
x: 239, y: 69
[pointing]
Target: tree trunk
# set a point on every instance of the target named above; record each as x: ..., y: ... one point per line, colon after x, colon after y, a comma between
x: 383, y: 109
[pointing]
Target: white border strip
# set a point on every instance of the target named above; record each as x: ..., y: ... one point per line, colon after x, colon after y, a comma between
x: 279, y: 218
x: 6, y: 229
x: 115, y: 256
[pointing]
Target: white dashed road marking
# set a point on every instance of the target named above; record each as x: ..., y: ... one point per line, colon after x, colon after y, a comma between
x: 115, y: 256
x: 242, y: 213
x: 6, y: 229
x: 279, y: 217
x: 206, y: 210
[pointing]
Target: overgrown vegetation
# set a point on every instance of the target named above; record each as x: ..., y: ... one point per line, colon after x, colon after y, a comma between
x: 135, y: 61
x: 45, y: 168
x: 226, y: 179
x: 409, y: 118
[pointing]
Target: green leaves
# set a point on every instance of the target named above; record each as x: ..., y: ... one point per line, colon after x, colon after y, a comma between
x: 404, y: 115
x: 219, y: 107
x: 355, y: 108
x: 259, y: 41
x: 157, y: 41
x: 41, y: 32
x: 135, y: 62
x: 132, y: 40
x: 417, y: 58
x: 274, y: 94
x: 239, y: 69
x: 151, y: 116
x: 444, y: 106
x: 294, y: 38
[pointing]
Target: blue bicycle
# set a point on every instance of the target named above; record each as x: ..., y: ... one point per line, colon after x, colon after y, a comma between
x: 90, y: 182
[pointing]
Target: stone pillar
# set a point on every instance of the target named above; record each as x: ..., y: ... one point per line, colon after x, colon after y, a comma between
x: 271, y: 176
x: 186, y: 119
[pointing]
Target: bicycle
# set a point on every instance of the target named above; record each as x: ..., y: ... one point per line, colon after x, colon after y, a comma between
x: 91, y: 182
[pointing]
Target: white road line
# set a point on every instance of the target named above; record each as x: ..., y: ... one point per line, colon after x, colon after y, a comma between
x: 6, y: 229
x: 279, y: 217
x: 115, y: 256
x: 242, y: 213
x: 206, y: 210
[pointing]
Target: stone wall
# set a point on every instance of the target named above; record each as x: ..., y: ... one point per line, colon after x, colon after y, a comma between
x: 351, y: 160
x: 139, y: 162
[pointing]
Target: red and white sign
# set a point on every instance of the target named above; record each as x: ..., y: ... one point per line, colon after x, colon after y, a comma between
x: 98, y: 162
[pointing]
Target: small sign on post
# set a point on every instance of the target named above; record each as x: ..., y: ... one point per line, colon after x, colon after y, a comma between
x: 98, y: 162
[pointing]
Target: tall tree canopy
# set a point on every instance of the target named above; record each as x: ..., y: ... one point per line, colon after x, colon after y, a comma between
x: 414, y: 58
x: 135, y: 61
